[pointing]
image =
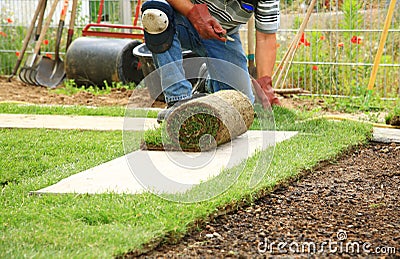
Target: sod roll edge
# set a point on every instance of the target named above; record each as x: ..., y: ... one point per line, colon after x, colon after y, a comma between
x: 204, y: 123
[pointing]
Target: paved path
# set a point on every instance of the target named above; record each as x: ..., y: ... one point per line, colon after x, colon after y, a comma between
x: 119, y: 123
x: 166, y: 172
x: 386, y: 135
x: 75, y: 122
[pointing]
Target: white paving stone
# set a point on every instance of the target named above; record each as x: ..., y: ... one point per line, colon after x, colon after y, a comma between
x: 169, y: 172
x: 74, y: 122
x: 386, y: 135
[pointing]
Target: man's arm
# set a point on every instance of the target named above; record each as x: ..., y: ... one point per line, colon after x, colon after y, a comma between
x: 265, y: 53
x: 201, y: 19
x: 182, y: 6
x: 265, y: 61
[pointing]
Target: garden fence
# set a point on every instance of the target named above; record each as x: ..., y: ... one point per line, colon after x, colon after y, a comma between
x: 334, y: 56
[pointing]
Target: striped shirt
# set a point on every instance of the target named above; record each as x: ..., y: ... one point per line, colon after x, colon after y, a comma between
x: 230, y: 14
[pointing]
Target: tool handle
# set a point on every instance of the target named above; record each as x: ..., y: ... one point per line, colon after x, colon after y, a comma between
x: 137, y: 11
x: 250, y: 37
x: 26, y: 39
x: 381, y: 45
x: 40, y: 21
x: 44, y: 29
x: 251, y: 46
x: 71, y: 23
x: 100, y: 11
x: 60, y: 29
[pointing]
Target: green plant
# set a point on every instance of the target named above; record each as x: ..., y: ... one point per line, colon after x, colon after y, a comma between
x: 352, y: 18
x: 352, y: 104
x: 373, y: 117
x: 393, y: 116
x: 71, y: 88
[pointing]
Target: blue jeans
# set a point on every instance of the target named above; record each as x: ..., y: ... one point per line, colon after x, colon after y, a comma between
x: 227, y: 63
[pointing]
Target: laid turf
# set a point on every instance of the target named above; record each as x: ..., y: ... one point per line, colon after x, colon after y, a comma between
x: 119, y: 111
x: 108, y: 225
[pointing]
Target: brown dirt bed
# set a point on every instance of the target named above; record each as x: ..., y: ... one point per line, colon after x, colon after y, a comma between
x: 17, y: 91
x: 356, y: 198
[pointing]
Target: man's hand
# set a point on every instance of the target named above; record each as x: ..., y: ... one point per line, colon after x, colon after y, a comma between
x: 205, y: 24
x: 264, y: 92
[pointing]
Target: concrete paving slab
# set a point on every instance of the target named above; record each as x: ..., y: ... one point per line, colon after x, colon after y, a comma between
x: 169, y: 172
x: 74, y: 122
x: 386, y: 135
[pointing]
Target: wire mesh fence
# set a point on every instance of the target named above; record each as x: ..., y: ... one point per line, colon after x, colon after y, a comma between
x: 336, y: 53
x: 334, y: 56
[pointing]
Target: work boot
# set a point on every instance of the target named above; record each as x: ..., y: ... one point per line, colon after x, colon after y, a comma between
x: 171, y: 106
x: 264, y: 92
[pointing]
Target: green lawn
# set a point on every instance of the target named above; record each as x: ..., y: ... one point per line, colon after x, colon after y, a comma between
x: 116, y: 111
x: 108, y: 225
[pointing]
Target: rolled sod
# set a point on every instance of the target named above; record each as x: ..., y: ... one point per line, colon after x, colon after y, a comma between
x: 204, y: 123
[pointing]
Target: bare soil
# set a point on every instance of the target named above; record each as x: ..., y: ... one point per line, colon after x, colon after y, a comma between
x: 17, y: 91
x: 349, y: 208
x: 354, y: 200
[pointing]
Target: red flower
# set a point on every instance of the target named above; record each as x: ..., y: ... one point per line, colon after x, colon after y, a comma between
x: 17, y: 53
x: 49, y: 55
x: 46, y: 42
x: 3, y: 34
x: 340, y: 44
x: 315, y: 67
x: 302, y: 38
x: 356, y: 40
x: 9, y: 20
x: 322, y: 37
x: 304, y: 41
